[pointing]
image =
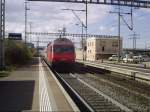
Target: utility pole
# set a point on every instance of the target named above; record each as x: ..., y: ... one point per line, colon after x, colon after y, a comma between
x: 38, y: 46
x: 64, y: 31
x: 2, y: 34
x: 86, y: 10
x: 26, y: 9
x: 30, y: 23
x: 119, y: 30
x: 134, y: 36
x: 119, y: 45
x: 82, y: 36
x: 120, y: 16
x: 82, y: 25
x: 85, y: 47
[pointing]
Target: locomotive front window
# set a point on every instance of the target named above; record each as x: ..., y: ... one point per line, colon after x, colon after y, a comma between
x: 63, y: 49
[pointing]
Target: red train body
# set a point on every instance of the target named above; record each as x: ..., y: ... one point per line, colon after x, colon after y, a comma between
x: 61, y: 52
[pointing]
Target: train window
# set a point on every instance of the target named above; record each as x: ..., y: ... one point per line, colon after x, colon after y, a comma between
x: 63, y: 49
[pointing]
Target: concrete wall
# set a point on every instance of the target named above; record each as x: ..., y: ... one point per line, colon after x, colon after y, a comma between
x: 91, y: 49
x: 79, y: 54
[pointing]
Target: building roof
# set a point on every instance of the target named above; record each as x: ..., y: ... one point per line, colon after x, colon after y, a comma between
x: 104, y: 37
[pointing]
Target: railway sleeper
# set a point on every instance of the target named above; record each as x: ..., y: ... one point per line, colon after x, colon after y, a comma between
x: 101, y: 102
x: 113, y: 110
x: 107, y: 107
x: 96, y: 98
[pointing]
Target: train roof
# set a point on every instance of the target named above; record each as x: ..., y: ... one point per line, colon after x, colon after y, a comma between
x: 62, y: 41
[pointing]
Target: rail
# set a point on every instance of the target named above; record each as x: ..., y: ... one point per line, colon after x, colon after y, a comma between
x: 80, y: 102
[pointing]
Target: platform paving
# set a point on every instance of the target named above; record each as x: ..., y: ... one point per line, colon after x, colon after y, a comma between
x: 32, y: 87
x: 19, y: 91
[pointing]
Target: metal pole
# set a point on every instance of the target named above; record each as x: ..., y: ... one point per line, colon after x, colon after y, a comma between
x: 26, y: 9
x: 1, y: 38
x: 30, y: 30
x: 119, y: 46
x: 82, y: 42
x: 25, y: 20
x: 2, y: 34
x: 86, y: 17
x: 38, y: 47
x: 133, y: 43
x: 86, y: 29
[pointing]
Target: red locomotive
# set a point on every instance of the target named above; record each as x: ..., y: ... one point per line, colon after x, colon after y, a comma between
x: 61, y: 52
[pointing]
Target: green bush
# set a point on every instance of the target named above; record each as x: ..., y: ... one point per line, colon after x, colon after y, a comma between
x: 16, y: 53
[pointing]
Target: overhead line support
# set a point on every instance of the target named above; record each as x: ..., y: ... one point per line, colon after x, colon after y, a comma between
x: 2, y: 34
x: 130, y: 3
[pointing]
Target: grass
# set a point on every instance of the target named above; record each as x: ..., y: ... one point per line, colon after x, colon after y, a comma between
x: 4, y: 73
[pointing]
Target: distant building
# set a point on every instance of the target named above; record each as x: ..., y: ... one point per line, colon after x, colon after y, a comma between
x: 102, y: 48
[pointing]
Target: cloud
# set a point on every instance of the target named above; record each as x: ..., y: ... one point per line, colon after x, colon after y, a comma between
x: 106, y: 29
x: 47, y: 16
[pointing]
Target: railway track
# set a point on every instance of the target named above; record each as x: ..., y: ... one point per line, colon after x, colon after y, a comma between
x: 96, y: 93
x: 136, y: 68
x: 96, y: 99
x: 135, y: 95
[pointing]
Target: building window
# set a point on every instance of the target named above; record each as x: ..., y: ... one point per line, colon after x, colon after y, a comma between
x: 103, y: 49
x: 115, y: 44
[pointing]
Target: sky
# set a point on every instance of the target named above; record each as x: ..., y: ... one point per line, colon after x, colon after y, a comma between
x: 49, y: 17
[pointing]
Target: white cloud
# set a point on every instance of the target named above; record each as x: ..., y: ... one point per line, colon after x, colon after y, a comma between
x: 106, y: 29
x: 47, y: 16
x: 102, y: 28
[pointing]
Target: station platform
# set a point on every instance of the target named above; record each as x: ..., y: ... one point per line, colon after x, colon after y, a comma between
x: 138, y: 73
x: 33, y: 87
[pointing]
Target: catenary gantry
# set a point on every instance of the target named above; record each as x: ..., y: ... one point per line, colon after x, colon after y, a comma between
x: 130, y: 3
x: 71, y: 34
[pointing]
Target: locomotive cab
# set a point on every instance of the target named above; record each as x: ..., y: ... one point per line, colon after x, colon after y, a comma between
x: 61, y: 53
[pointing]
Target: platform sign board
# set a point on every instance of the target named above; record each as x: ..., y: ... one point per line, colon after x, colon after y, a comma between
x: 15, y: 36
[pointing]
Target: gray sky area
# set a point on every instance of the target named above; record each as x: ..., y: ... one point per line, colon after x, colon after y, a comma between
x: 48, y: 17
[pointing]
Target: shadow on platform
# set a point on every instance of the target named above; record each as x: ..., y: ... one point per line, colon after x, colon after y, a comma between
x: 16, y: 95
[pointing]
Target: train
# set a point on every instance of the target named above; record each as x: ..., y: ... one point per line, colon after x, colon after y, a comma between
x: 61, y: 53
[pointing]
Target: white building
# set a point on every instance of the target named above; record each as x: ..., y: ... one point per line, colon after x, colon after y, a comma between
x: 102, y: 47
